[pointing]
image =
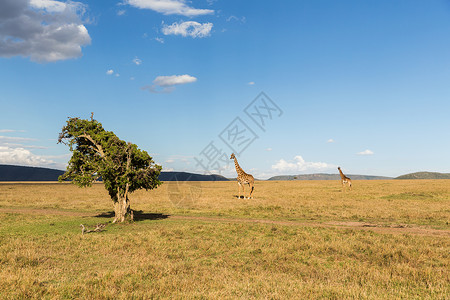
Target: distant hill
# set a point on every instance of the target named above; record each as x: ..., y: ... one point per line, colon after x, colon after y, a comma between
x: 22, y: 173
x: 322, y: 176
x: 184, y: 176
x: 425, y: 175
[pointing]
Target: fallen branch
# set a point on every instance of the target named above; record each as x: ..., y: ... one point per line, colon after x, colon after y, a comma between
x: 99, y: 227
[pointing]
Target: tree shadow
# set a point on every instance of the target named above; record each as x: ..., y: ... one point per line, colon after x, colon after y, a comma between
x: 138, y: 215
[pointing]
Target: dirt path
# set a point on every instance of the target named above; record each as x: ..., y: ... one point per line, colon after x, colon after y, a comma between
x: 379, y: 228
x: 395, y: 229
x: 45, y: 211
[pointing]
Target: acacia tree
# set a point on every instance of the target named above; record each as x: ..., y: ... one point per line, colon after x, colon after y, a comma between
x: 97, y: 153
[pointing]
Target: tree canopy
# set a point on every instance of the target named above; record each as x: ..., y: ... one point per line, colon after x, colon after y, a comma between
x: 97, y: 153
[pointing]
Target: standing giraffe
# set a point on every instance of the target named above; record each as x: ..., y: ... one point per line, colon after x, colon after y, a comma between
x: 243, y: 178
x: 345, y: 179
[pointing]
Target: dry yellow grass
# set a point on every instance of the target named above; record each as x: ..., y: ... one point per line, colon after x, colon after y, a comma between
x: 294, y: 240
x: 421, y: 202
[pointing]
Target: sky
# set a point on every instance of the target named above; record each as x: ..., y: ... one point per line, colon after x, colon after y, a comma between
x: 291, y: 87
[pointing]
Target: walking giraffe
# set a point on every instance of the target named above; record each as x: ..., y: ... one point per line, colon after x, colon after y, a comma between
x: 243, y: 178
x: 345, y: 179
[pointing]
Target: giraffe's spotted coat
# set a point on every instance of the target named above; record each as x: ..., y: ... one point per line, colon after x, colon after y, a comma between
x: 243, y: 178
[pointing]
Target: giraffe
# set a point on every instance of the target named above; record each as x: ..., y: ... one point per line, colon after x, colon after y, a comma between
x: 243, y: 178
x: 345, y: 179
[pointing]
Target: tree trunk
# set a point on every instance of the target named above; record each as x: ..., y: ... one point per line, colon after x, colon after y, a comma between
x: 122, y: 209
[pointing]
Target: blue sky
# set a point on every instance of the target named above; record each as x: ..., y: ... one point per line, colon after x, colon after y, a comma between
x: 359, y: 84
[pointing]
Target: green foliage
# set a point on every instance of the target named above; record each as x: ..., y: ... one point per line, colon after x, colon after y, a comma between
x: 97, y: 153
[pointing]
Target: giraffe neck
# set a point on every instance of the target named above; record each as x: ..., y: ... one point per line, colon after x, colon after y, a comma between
x: 342, y: 174
x: 238, y: 168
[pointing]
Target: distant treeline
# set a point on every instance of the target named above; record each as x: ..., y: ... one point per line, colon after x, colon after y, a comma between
x: 22, y: 173
x: 322, y: 176
x: 425, y: 175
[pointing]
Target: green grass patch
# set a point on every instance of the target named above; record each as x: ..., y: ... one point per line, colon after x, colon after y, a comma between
x: 198, y: 259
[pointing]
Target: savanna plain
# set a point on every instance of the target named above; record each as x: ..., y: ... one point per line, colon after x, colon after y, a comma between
x: 294, y: 240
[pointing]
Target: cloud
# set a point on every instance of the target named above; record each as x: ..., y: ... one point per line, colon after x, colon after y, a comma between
x: 166, y: 84
x: 18, y: 151
x: 9, y: 139
x: 11, y: 130
x: 13, y: 145
x: 169, y: 161
x: 21, y: 156
x: 110, y: 72
x: 269, y: 149
x: 330, y: 141
x: 121, y: 12
x: 169, y: 7
x: 13, y: 142
x: 299, y: 165
x: 174, y: 80
x: 159, y: 40
x: 234, y: 18
x: 251, y: 83
x: 190, y: 28
x: 44, y: 30
x: 17, y: 142
x: 137, y: 61
x: 365, y: 152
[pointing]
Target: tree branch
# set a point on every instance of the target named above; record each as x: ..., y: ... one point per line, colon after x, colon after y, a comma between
x: 99, y: 227
x: 127, y: 186
x: 99, y: 147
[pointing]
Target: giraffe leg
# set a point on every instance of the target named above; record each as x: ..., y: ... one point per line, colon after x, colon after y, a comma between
x: 250, y: 196
x: 243, y: 191
x: 239, y: 192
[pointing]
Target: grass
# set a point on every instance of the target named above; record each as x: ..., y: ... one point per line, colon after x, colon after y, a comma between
x: 44, y: 256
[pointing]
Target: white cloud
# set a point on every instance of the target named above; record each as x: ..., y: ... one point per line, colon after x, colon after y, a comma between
x: 251, y: 83
x: 330, y: 141
x: 159, y: 40
x: 231, y: 18
x: 121, y: 12
x: 110, y: 72
x: 189, y: 28
x: 18, y: 142
x: 44, y: 30
x: 166, y: 84
x: 137, y: 61
x: 9, y: 139
x: 269, y: 149
x: 16, y: 145
x: 21, y: 156
x: 234, y: 18
x: 174, y: 80
x: 300, y: 165
x: 169, y: 161
x: 365, y: 152
x: 169, y: 7
x: 11, y: 130
x: 49, y: 5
